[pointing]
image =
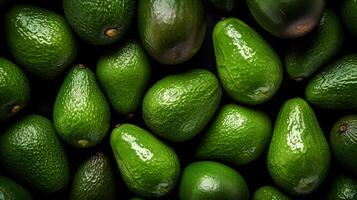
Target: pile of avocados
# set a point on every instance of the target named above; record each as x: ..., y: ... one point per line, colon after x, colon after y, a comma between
x: 178, y: 99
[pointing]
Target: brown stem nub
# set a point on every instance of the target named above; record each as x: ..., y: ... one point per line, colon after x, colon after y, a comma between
x: 343, y: 128
x: 83, y: 143
x: 81, y: 66
x: 299, y: 78
x: 116, y: 126
x: 130, y: 116
x: 111, y: 32
x: 16, y: 109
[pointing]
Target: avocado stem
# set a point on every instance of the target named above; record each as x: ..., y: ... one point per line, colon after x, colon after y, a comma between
x: 81, y: 66
x: 130, y: 116
x: 16, y: 109
x: 116, y: 126
x: 111, y: 32
x: 83, y: 143
x: 343, y: 128
x: 299, y: 78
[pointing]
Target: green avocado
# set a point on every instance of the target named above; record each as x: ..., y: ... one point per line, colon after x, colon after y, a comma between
x: 287, y: 18
x: 208, y: 180
x: 349, y: 15
x: 40, y: 40
x: 14, y: 89
x: 10, y: 190
x: 31, y: 152
x: 223, y: 5
x: 249, y: 69
x: 269, y: 193
x: 81, y: 114
x: 149, y: 167
x: 299, y: 156
x: 308, y: 54
x: 99, y: 22
x: 336, y: 86
x: 237, y: 135
x: 124, y: 75
x: 343, y: 188
x: 172, y: 31
x: 179, y: 106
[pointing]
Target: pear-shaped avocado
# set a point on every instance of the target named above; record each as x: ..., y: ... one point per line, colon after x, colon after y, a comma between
x: 269, y: 193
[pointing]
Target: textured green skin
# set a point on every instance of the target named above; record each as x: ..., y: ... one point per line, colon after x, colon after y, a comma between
x: 81, y: 111
x: 148, y: 166
x: 237, y: 135
x: 91, y: 18
x: 344, y: 144
x: 307, y: 55
x: 336, y: 86
x: 207, y: 180
x: 343, y: 188
x: 14, y: 88
x: 269, y: 193
x: 40, y: 40
x: 124, y: 75
x: 299, y: 155
x: 223, y: 5
x: 94, y: 179
x: 349, y: 15
x: 9, y: 190
x: 287, y: 18
x: 171, y: 37
x: 179, y: 106
x: 249, y: 69
x: 31, y: 151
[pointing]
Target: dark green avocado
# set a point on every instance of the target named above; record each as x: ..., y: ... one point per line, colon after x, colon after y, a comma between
x: 10, y: 190
x: 343, y: 188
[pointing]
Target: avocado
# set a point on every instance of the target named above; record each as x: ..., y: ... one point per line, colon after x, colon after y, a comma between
x: 10, y: 190
x: 149, y: 167
x: 94, y: 179
x: 99, y: 22
x: 208, y: 180
x: 299, y: 156
x: 171, y: 31
x: 343, y: 188
x: 179, y: 106
x: 223, y: 5
x: 287, y: 18
x: 343, y: 141
x: 336, y: 86
x: 237, y: 135
x: 124, y: 75
x: 269, y: 193
x: 308, y: 54
x: 31, y: 152
x: 349, y: 15
x: 249, y: 69
x: 81, y: 114
x: 14, y: 89
x: 40, y: 40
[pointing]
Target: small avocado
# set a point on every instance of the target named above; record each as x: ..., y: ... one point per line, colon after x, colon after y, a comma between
x: 40, y: 40
x: 171, y: 31
x: 249, y: 69
x: 99, y: 22
x: 237, y: 135
x: 269, y: 193
x: 179, y: 106
x: 336, y: 86
x: 94, y: 180
x: 343, y: 141
x: 208, y: 180
x: 287, y: 18
x: 81, y: 114
x: 31, y: 152
x: 299, y: 156
x: 124, y: 75
x: 223, y: 5
x: 349, y: 15
x: 343, y: 188
x: 308, y: 54
x: 149, y: 167
x: 10, y: 190
x: 14, y: 89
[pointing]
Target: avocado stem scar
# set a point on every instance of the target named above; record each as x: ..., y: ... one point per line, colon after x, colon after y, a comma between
x: 116, y: 126
x: 111, y: 32
x: 16, y: 109
x: 343, y: 128
x: 299, y: 78
x: 130, y: 116
x: 81, y: 66
x: 83, y: 143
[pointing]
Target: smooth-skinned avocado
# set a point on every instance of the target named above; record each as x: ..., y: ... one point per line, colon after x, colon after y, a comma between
x: 81, y: 113
x: 124, y: 75
x: 299, y: 156
x: 287, y: 18
x: 308, y: 54
x: 14, y: 89
x: 208, y: 180
x: 336, y: 86
x: 249, y: 69
x: 343, y: 141
x: 179, y: 106
x: 171, y: 31
x: 237, y: 135
x: 10, y: 190
x: 349, y: 15
x: 94, y: 179
x: 269, y: 193
x: 223, y: 5
x: 149, y: 167
x: 40, y: 40
x: 100, y: 22
x: 343, y: 188
x: 31, y: 152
